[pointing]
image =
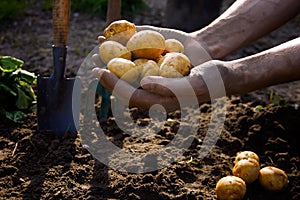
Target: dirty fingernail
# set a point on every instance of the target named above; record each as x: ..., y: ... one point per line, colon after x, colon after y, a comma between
x: 101, y: 39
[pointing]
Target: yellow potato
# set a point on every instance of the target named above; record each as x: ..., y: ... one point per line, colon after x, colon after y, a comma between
x: 246, y: 169
x: 147, y: 67
x: 124, y: 69
x: 120, y: 31
x: 245, y: 155
x: 146, y: 44
x: 173, y: 45
x: 273, y: 179
x: 230, y: 188
x: 174, y: 65
x: 112, y: 49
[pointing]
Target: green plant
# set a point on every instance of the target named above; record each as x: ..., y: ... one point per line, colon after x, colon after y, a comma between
x: 90, y: 6
x: 10, y: 8
x: 258, y: 108
x: 17, y: 95
x: 46, y: 4
x: 274, y: 98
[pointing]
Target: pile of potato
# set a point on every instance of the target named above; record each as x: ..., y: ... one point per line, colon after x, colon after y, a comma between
x: 132, y: 55
x: 246, y: 170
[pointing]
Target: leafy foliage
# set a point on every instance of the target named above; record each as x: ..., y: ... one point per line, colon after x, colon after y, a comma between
x: 17, y: 94
x: 10, y: 8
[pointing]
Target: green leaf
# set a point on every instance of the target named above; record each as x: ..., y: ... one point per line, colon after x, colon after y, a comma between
x: 28, y: 90
x: 10, y: 64
x: 16, y: 92
x: 8, y: 89
x: 258, y: 108
x: 24, y: 75
x: 23, y: 101
x: 15, y: 116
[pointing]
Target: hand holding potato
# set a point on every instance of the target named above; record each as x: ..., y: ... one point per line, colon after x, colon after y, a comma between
x: 159, y: 90
x: 156, y: 89
x: 165, y: 57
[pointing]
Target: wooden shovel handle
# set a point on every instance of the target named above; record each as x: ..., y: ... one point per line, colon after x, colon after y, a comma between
x: 61, y: 16
x: 113, y: 11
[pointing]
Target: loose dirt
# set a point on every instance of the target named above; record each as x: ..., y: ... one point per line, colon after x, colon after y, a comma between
x: 41, y: 165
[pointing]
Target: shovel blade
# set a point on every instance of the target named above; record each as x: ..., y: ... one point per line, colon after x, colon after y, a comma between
x: 58, y: 108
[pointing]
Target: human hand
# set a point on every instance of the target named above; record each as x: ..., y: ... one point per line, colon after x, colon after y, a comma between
x: 205, y: 82
x: 153, y: 93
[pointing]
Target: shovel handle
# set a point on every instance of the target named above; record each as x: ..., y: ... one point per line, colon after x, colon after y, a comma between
x: 61, y: 16
x: 113, y: 11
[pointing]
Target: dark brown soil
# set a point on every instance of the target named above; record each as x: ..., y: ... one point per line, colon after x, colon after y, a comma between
x: 41, y: 165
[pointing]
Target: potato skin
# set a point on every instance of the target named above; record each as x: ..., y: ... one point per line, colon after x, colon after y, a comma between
x: 147, y: 67
x: 230, y: 188
x: 120, y: 31
x: 273, y: 179
x: 245, y: 155
x: 174, y: 65
x: 112, y: 49
x: 146, y: 44
x: 173, y: 45
x: 247, y: 169
x: 123, y: 69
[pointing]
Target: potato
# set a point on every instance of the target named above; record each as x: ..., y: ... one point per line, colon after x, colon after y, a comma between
x: 273, y: 179
x: 147, y: 67
x: 245, y: 155
x: 173, y: 45
x: 246, y: 169
x: 146, y: 44
x: 124, y: 69
x: 230, y: 188
x: 120, y: 31
x: 112, y: 49
x: 174, y: 65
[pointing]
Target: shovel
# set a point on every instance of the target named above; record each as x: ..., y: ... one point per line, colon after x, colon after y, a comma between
x: 58, y: 97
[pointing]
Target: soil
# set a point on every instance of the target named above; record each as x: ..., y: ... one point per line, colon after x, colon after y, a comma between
x: 42, y: 165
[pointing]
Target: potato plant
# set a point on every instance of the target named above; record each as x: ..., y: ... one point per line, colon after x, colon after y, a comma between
x: 16, y: 90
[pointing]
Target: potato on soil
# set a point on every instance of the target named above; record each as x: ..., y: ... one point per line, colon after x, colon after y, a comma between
x: 245, y: 155
x: 173, y: 45
x: 123, y: 69
x: 147, y: 67
x: 146, y: 44
x: 246, y: 169
x: 120, y: 31
x: 230, y: 188
x: 112, y: 49
x: 174, y: 65
x: 273, y: 179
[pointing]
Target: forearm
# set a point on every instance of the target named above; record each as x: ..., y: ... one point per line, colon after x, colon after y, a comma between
x: 243, y: 22
x: 274, y: 66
